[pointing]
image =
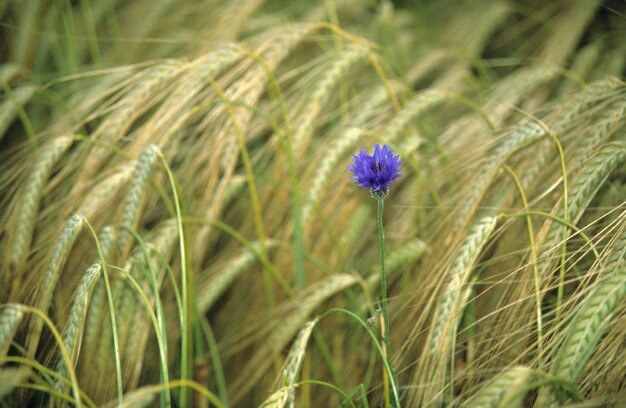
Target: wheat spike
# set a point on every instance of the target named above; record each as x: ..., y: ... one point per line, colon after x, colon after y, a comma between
x: 105, y: 192
x: 451, y: 308
x: 125, y: 294
x: 604, y: 125
x: 567, y: 29
x: 139, y: 398
x: 31, y: 196
x: 295, y: 359
x: 591, y: 178
x: 140, y: 327
x: 9, y: 71
x: 74, y: 329
x: 414, y: 107
x: 278, y: 399
x: 505, y: 390
x: 11, y: 378
x: 528, y: 132
x: 136, y: 193
x: 179, y: 106
x: 221, y: 276
x: 93, y: 321
x: 521, y: 136
x: 583, y: 100
x: 145, y: 93
x: 451, y: 305
x: 582, y: 191
x: 9, y: 109
x: 583, y: 63
x: 134, y: 324
x: 325, y: 169
x: 248, y: 90
x: 297, y: 312
x: 618, y: 251
x: 590, y: 322
x: 482, y: 25
x: 50, y: 280
x: 352, y: 56
x: 591, y: 319
x: 401, y: 256
x: 371, y: 105
x: 404, y: 255
x: 360, y: 219
x: 567, y: 112
x: 10, y: 318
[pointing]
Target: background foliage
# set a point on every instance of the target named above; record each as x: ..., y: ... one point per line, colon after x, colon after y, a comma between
x: 126, y: 125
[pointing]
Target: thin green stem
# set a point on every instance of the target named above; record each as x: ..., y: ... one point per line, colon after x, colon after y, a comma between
x: 383, y: 276
x: 28, y: 127
x: 383, y: 289
x: 64, y: 352
x: 261, y: 255
x: 559, y: 299
x: 155, y: 323
x: 186, y: 288
x: 341, y: 392
x: 252, y: 189
x: 533, y: 248
x: 47, y: 374
x: 560, y: 221
x: 113, y: 320
x: 48, y: 390
x: 285, y: 139
x: 215, y: 357
x: 158, y: 319
x: 394, y: 390
x: 184, y: 384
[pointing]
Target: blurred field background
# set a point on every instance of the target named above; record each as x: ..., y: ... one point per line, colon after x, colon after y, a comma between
x: 178, y: 226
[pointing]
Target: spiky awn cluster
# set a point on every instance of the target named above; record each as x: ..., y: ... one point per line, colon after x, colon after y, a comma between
x: 376, y: 173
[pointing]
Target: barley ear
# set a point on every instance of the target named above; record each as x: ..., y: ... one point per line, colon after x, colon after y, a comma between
x: 49, y: 283
x: 295, y: 359
x: 452, y: 305
x: 139, y: 398
x: 590, y: 323
x: 76, y: 323
x: 10, y: 318
x: 278, y: 399
x: 218, y: 282
x: 136, y: 192
x: 450, y: 309
x: 31, y: 197
x: 298, y: 312
x: 11, y: 378
x: 506, y: 390
x: 11, y: 106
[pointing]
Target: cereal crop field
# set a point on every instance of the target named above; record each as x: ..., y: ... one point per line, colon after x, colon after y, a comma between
x: 191, y: 203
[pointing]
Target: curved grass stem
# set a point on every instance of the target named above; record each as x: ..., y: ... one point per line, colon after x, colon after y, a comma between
x: 533, y: 248
x: 64, y: 352
x: 392, y: 383
x: 559, y: 299
x: 116, y: 340
x: 186, y: 288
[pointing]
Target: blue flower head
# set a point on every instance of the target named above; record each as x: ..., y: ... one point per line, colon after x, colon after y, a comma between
x: 377, y: 172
